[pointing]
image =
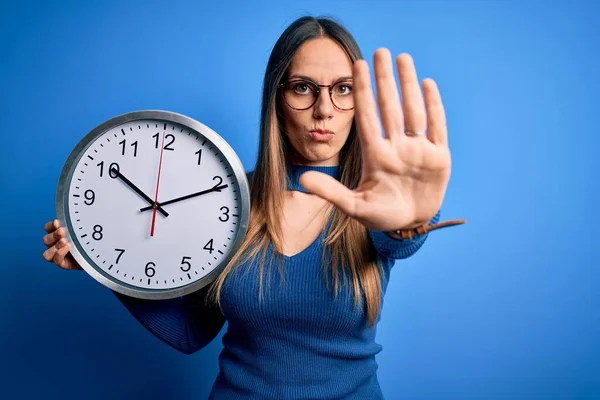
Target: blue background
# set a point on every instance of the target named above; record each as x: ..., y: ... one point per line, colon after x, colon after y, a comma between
x: 505, y: 307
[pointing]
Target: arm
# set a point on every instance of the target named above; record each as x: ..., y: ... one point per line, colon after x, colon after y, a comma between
x: 390, y: 247
x: 185, y: 323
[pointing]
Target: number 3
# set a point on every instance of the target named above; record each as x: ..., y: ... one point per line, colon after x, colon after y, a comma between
x: 226, y: 213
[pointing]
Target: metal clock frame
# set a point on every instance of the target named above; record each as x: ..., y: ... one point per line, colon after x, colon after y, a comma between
x: 62, y: 203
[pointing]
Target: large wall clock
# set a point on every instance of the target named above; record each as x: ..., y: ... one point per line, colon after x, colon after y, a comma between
x: 155, y: 204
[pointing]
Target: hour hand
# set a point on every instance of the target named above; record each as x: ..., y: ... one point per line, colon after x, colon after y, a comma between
x: 138, y: 191
x: 189, y: 196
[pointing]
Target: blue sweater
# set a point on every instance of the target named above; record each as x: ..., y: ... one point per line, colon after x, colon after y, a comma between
x: 299, y: 343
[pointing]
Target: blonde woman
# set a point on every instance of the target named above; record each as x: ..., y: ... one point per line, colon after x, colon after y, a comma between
x: 334, y: 202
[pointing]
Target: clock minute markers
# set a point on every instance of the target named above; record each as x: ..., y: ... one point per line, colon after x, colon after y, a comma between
x: 189, y: 196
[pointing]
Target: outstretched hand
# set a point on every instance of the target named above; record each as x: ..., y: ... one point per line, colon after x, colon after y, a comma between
x: 404, y: 176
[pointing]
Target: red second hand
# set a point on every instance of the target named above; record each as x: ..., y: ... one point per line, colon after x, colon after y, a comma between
x: 157, y: 182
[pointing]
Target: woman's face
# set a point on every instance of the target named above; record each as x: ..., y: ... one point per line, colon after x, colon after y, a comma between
x: 323, y: 62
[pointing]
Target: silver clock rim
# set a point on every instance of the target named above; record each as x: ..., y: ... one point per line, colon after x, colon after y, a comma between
x: 65, y: 180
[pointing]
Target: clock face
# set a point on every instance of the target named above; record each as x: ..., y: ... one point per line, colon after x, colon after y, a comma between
x: 109, y: 206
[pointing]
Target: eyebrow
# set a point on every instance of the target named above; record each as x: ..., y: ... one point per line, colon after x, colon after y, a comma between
x: 341, y: 79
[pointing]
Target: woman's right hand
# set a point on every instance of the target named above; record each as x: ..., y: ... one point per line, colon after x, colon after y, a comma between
x: 57, y: 250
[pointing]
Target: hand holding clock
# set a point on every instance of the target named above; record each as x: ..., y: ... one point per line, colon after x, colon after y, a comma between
x: 57, y: 247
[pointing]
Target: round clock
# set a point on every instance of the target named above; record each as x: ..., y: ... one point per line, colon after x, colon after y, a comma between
x: 154, y: 203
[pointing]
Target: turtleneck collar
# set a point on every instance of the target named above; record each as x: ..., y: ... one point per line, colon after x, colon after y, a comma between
x: 294, y: 172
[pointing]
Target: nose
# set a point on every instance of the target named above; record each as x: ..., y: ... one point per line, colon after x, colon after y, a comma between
x: 323, y: 108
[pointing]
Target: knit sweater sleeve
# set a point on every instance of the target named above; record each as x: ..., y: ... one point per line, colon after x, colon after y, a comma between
x: 397, y: 249
x: 185, y: 323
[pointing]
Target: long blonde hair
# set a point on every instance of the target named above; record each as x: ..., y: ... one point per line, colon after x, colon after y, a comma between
x: 347, y: 240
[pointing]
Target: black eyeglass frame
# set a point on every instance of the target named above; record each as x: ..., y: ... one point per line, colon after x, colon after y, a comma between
x: 317, y: 89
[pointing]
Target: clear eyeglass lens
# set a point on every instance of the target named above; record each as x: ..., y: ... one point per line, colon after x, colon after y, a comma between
x: 302, y: 94
x: 341, y: 95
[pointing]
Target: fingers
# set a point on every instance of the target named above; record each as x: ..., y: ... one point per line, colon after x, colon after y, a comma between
x: 51, y: 238
x: 412, y: 99
x: 58, y: 247
x: 61, y: 254
x: 330, y: 189
x: 52, y: 249
x: 50, y: 226
x: 437, y: 131
x: 387, y: 95
x: 365, y: 114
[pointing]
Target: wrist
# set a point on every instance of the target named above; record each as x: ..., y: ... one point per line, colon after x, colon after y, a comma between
x: 410, y: 226
x: 413, y: 225
x: 408, y: 231
x: 411, y: 230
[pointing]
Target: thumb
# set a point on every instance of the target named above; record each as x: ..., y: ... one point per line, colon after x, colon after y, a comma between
x: 330, y: 189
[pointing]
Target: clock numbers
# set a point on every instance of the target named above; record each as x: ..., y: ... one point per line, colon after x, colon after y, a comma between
x: 226, y: 213
x: 97, y: 235
x: 167, y: 137
x: 89, y: 196
x: 134, y: 144
x: 199, y: 152
x: 210, y: 246
x: 110, y: 169
x: 219, y: 178
x: 185, y: 262
x: 150, y: 271
x: 121, y: 251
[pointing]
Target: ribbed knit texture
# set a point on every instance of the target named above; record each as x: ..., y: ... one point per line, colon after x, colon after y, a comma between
x: 299, y: 341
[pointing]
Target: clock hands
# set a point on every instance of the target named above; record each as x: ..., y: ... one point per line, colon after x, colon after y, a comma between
x: 189, y: 196
x: 155, y: 204
x: 138, y: 191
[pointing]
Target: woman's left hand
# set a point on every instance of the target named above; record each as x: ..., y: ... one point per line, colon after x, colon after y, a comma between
x: 404, y: 178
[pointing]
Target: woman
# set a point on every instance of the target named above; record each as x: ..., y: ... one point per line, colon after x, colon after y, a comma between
x: 334, y: 204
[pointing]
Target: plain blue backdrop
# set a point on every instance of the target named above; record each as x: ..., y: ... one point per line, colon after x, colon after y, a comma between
x: 504, y: 307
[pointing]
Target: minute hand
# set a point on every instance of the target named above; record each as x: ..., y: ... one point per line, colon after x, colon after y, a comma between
x: 138, y: 191
x: 189, y: 196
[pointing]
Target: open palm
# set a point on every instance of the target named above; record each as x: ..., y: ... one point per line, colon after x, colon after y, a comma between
x: 404, y: 176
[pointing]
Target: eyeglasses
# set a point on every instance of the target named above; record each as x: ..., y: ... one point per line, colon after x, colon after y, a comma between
x: 302, y: 94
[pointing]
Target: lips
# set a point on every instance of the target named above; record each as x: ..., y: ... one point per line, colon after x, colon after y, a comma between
x: 321, y: 135
x: 322, y: 131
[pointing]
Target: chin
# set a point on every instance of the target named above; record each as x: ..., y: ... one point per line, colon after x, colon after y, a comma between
x: 320, y: 157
